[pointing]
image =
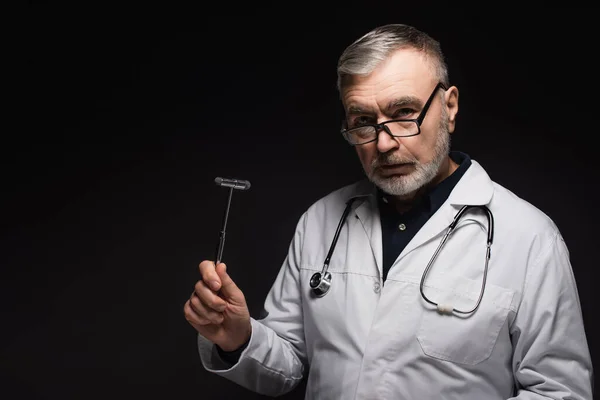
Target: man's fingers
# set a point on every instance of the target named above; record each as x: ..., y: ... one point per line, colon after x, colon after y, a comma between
x: 208, y: 297
x: 203, y: 312
x: 209, y: 275
x: 229, y: 290
x: 192, y: 316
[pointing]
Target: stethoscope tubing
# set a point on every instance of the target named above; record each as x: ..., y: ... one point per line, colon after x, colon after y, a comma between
x: 320, y: 282
x: 445, y: 308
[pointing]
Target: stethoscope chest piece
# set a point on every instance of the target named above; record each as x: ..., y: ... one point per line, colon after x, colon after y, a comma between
x: 320, y: 283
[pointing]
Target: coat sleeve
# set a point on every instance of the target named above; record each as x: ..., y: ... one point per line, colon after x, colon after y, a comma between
x: 273, y: 363
x: 551, y: 356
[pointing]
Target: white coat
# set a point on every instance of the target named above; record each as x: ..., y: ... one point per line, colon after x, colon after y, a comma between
x: 370, y: 340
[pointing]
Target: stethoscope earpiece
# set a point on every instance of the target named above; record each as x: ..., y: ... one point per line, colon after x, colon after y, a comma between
x: 320, y: 284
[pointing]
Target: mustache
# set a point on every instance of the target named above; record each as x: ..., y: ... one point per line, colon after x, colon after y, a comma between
x: 391, y: 159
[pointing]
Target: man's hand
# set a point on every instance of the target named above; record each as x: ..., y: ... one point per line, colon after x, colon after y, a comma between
x: 217, y: 308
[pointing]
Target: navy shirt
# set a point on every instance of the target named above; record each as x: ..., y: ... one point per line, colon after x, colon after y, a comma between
x: 399, y: 228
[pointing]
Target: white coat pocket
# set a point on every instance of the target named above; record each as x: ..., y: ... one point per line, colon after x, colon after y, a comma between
x: 465, y: 339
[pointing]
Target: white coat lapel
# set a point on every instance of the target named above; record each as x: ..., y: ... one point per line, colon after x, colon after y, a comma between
x: 434, y: 227
x: 368, y: 215
x: 474, y: 188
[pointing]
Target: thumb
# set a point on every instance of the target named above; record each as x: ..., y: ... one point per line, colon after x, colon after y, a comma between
x: 229, y: 290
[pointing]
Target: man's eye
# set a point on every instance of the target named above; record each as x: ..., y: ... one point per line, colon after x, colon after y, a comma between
x: 359, y: 121
x: 404, y: 113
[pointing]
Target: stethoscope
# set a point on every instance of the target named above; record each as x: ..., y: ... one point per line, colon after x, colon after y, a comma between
x: 320, y: 282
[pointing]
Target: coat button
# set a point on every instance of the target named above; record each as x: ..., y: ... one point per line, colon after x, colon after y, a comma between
x: 377, y: 287
x: 402, y: 227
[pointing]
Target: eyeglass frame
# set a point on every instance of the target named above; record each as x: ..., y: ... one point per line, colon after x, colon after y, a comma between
x: 382, y: 125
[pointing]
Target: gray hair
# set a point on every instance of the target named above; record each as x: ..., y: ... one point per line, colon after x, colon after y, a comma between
x: 367, y: 52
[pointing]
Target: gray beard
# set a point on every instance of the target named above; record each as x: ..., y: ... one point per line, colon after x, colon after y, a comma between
x: 424, y: 172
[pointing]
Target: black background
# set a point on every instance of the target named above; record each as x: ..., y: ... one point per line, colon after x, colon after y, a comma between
x: 130, y: 113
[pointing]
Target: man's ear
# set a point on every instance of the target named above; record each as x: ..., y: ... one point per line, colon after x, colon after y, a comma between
x: 451, y: 100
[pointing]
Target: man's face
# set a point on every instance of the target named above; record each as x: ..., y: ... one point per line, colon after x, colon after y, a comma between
x: 398, y: 89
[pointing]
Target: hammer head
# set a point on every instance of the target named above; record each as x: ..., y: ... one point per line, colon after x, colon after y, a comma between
x: 233, y: 183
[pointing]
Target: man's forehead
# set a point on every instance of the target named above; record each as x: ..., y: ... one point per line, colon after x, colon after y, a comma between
x: 406, y: 72
x: 395, y: 93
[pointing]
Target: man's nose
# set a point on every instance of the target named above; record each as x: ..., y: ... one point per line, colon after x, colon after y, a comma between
x: 385, y: 140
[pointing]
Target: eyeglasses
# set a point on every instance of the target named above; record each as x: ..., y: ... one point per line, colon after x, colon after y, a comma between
x: 367, y: 133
